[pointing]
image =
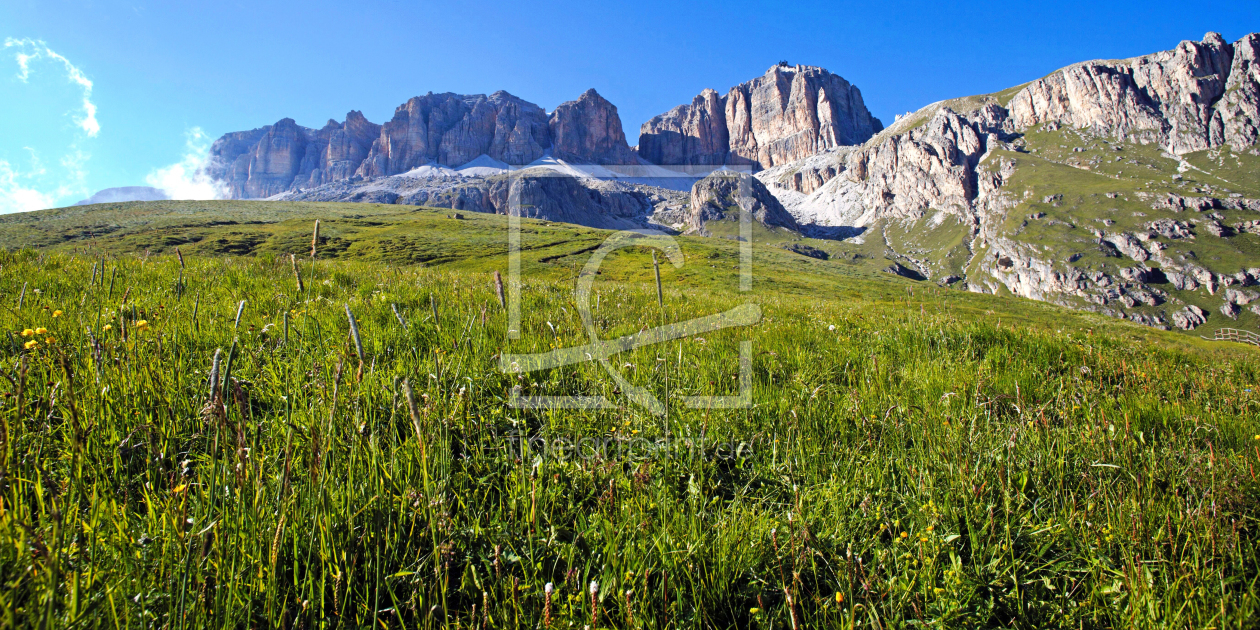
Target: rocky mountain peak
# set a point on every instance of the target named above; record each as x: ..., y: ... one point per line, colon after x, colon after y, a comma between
x: 790, y: 112
x: 589, y: 130
x: 1187, y: 99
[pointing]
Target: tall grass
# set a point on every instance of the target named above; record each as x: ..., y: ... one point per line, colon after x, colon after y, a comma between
x: 903, y: 462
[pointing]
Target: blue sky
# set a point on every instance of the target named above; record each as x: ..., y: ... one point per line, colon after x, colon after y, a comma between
x: 162, y: 73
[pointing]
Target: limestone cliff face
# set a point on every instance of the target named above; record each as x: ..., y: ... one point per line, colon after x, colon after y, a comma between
x: 447, y: 129
x: 688, y: 134
x: 229, y: 159
x: 933, y: 166
x: 787, y: 114
x: 1239, y: 109
x: 286, y: 156
x: 1196, y: 96
x: 589, y: 130
x: 276, y: 159
x: 452, y: 129
x: 335, y: 151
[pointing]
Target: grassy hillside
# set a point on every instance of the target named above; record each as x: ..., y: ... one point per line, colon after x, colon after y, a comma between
x: 909, y: 456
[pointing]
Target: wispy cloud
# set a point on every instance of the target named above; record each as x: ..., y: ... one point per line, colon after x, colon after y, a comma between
x: 20, y: 190
x: 18, y: 196
x: 187, y: 179
x: 28, y: 50
x: 33, y: 187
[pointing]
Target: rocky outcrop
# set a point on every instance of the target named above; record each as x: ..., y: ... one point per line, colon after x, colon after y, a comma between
x: 1240, y: 297
x: 589, y: 130
x: 571, y: 200
x: 787, y: 114
x: 723, y: 195
x: 1178, y: 203
x: 933, y: 166
x: 1168, y: 228
x: 1127, y: 244
x: 1197, y: 96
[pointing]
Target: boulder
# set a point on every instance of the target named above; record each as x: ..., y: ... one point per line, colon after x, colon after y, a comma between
x: 1189, y: 318
x: 1169, y: 228
x: 1240, y: 297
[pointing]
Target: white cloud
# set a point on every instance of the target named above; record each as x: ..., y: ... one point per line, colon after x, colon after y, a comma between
x: 20, y: 190
x: 15, y: 197
x: 32, y: 49
x: 29, y: 188
x: 187, y: 179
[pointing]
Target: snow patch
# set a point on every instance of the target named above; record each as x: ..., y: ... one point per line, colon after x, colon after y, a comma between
x: 483, y: 165
x: 432, y: 169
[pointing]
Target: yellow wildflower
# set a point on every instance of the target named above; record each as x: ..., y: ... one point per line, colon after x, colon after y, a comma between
x: 56, y: 313
x: 41, y: 331
x: 108, y: 327
x: 839, y: 597
x: 50, y: 341
x: 31, y: 345
x: 28, y: 333
x: 905, y: 535
x: 142, y: 324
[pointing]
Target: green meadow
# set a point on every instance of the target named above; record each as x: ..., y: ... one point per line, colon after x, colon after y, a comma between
x: 224, y: 436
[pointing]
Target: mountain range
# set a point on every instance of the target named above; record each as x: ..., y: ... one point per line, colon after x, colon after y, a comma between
x: 1129, y: 187
x: 789, y: 113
